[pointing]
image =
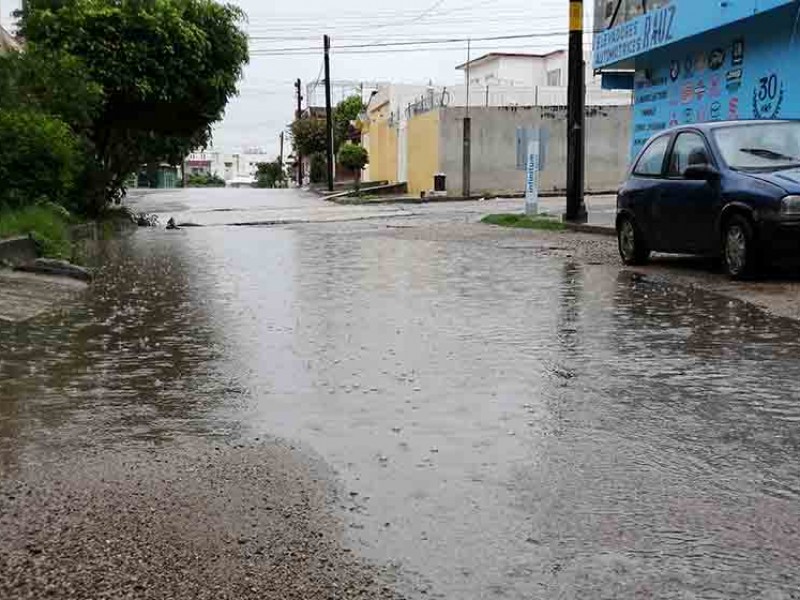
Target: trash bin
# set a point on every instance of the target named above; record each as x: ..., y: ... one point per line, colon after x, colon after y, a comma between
x: 440, y: 182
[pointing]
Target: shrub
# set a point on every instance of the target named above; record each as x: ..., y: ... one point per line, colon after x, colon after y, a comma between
x: 47, y: 224
x: 355, y: 158
x: 39, y: 158
x: 205, y: 180
x: 318, y: 168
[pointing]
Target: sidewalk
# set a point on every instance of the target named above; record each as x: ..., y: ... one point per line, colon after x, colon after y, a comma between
x: 602, y: 211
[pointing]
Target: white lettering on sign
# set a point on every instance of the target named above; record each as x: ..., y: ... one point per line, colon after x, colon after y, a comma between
x: 634, y: 37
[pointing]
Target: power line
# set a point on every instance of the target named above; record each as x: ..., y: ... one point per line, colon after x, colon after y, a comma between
x: 420, y: 42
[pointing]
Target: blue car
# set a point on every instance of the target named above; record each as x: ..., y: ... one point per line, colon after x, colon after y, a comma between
x: 723, y: 189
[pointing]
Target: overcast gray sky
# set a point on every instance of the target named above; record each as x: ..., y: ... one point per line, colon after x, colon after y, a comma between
x: 266, y: 103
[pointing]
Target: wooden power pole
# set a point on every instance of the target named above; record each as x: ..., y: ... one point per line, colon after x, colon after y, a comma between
x: 299, y: 115
x: 328, y: 111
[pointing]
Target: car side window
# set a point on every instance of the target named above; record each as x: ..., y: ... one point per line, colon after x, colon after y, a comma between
x: 651, y: 163
x: 689, y: 150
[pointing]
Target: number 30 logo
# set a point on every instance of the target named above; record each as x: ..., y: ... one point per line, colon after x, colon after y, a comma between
x: 768, y: 97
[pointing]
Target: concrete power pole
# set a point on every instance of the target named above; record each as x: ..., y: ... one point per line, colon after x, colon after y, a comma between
x: 466, y: 149
x: 576, y: 116
x: 328, y: 111
x: 298, y: 115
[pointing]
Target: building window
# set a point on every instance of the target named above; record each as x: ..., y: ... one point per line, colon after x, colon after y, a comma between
x: 554, y: 78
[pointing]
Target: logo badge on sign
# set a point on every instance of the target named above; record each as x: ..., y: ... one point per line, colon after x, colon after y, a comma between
x: 687, y: 93
x: 733, y: 79
x: 715, y: 88
x: 737, y: 54
x: 700, y: 63
x: 700, y: 90
x: 688, y: 67
x: 733, y: 109
x: 768, y: 97
x: 674, y: 70
x: 716, y: 59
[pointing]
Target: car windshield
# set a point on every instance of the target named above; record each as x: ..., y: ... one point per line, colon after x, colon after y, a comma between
x: 760, y: 146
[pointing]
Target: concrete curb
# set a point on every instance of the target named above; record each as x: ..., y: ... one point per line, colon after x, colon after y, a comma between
x: 17, y: 251
x: 606, y: 230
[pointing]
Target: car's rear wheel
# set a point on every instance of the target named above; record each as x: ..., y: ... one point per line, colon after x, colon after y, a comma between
x: 739, y: 248
x: 632, y: 247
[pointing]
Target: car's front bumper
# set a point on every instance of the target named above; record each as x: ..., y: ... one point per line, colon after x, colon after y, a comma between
x: 780, y: 236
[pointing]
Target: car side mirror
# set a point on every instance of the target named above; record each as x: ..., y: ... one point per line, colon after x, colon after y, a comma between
x: 702, y: 172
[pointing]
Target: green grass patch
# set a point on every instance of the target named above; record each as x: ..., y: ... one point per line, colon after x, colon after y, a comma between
x: 47, y: 224
x: 525, y: 222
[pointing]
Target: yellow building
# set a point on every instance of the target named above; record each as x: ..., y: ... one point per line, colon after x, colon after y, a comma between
x: 380, y: 140
x: 423, y: 151
x: 402, y: 141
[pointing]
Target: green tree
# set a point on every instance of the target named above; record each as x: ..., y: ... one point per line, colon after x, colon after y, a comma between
x: 355, y: 158
x: 270, y: 175
x: 309, y: 136
x: 167, y: 69
x: 57, y: 86
x: 347, y: 111
x: 53, y: 82
x: 318, y: 172
x: 39, y: 158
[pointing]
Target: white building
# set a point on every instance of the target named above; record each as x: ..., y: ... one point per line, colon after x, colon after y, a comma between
x: 508, y: 78
x: 517, y: 70
x: 235, y: 169
x: 7, y: 41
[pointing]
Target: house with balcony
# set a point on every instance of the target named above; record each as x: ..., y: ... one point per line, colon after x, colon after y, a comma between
x: 691, y: 61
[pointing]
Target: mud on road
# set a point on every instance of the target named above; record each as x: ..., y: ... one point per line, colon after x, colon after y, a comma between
x: 196, y: 521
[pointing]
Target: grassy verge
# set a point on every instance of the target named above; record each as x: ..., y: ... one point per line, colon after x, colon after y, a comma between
x: 525, y: 222
x: 47, y: 224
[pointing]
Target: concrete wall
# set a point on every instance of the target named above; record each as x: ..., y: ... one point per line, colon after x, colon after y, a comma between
x: 423, y: 151
x: 494, y: 148
x: 18, y: 251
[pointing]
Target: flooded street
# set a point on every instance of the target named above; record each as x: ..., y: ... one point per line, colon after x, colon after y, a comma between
x: 503, y: 418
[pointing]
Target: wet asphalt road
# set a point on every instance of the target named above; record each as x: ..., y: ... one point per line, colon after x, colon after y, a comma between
x: 505, y: 418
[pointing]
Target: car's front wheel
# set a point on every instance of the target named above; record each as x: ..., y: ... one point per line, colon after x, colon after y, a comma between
x: 739, y: 248
x: 632, y: 247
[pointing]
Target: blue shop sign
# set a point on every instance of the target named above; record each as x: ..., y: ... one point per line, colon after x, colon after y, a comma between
x: 678, y: 20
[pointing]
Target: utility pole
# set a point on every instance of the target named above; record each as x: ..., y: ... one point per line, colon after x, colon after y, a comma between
x: 281, y: 158
x: 298, y: 85
x: 328, y: 110
x: 576, y: 116
x: 466, y: 149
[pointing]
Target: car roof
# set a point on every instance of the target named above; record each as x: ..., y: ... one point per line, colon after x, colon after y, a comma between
x: 711, y: 125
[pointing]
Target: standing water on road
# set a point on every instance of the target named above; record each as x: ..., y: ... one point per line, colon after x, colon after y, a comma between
x: 507, y: 422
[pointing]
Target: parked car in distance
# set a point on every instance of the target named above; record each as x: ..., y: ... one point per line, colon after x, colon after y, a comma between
x: 724, y: 189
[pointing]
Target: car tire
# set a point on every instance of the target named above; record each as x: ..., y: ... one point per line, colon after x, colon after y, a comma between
x: 631, y: 243
x: 740, y: 255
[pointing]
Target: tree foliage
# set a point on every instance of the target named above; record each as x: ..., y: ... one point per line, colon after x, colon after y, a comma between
x: 39, y: 158
x: 205, y: 180
x: 52, y: 82
x: 270, y: 175
x: 355, y: 158
x: 347, y: 111
x: 166, y: 69
x: 309, y: 136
